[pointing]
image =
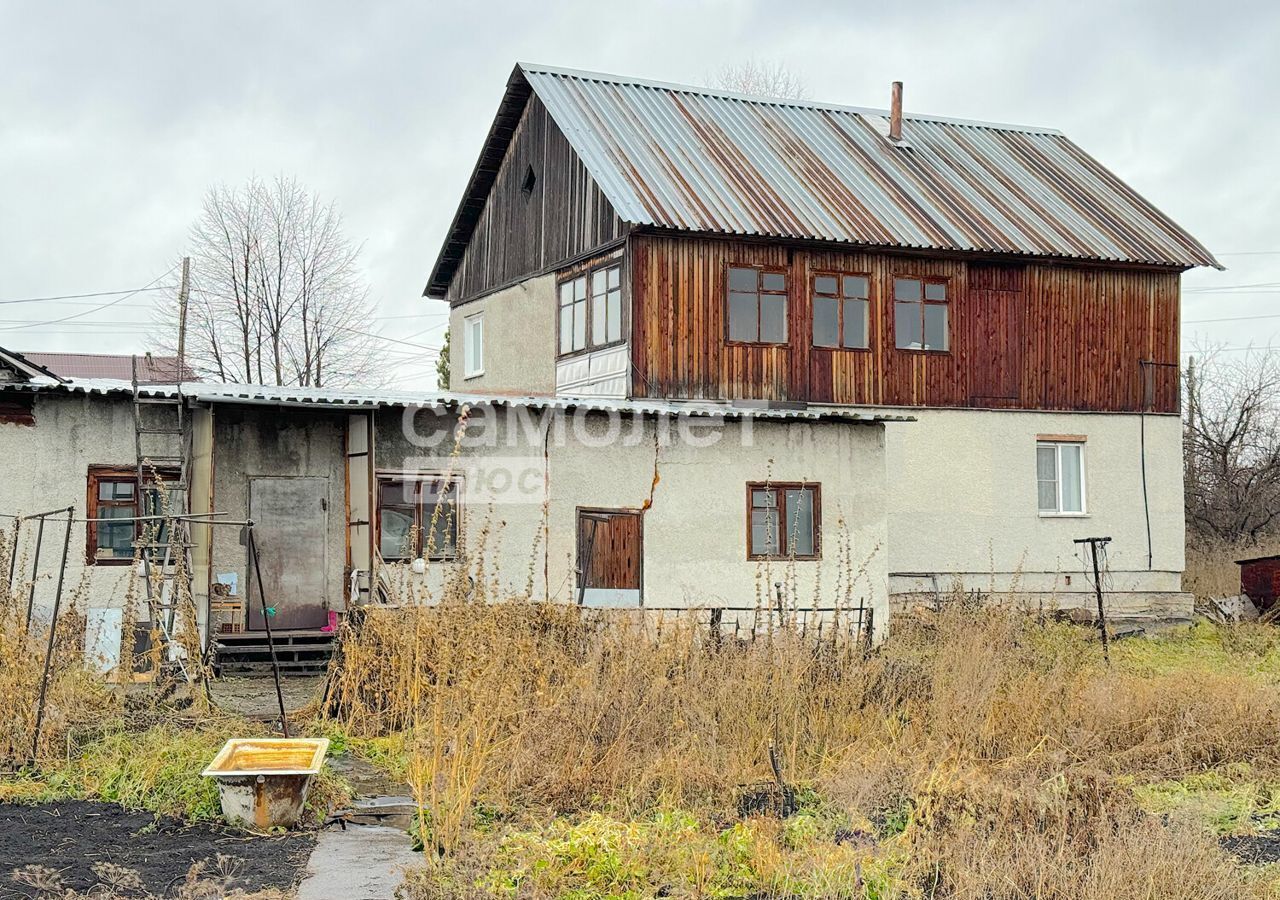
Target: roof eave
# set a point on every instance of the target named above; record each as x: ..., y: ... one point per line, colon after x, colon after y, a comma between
x: 32, y: 370
x: 471, y: 206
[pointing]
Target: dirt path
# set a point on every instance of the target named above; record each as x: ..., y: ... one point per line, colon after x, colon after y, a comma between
x: 254, y: 696
x: 73, y: 843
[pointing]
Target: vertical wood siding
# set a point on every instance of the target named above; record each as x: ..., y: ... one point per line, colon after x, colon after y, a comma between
x: 564, y: 216
x: 1027, y: 336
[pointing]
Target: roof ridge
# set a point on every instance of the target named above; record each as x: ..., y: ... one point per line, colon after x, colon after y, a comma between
x: 796, y: 103
x: 153, y: 356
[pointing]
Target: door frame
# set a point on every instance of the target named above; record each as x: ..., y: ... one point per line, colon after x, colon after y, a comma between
x: 580, y: 587
x: 250, y: 572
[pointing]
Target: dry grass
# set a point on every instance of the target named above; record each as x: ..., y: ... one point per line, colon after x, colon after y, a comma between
x: 984, y: 753
x: 75, y: 698
x: 1211, y: 564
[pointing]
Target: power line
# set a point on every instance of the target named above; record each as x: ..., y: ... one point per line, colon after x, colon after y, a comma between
x: 87, y: 312
x: 1229, y: 288
x: 96, y: 324
x: 1267, y: 349
x: 383, y: 337
x: 1231, y: 319
x: 95, y: 294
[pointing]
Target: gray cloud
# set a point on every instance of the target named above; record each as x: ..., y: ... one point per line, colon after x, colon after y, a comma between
x: 116, y: 117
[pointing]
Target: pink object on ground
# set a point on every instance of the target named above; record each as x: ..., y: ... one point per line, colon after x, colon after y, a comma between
x: 333, y: 622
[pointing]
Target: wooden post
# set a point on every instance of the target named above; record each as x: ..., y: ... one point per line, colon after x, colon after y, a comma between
x: 184, y: 291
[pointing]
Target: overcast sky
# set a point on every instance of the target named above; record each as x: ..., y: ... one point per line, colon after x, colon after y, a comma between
x: 116, y: 117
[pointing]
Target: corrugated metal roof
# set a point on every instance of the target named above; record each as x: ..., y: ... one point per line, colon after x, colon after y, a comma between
x: 151, y: 369
x: 27, y: 368
x: 691, y: 159
x: 687, y: 158
x: 302, y: 397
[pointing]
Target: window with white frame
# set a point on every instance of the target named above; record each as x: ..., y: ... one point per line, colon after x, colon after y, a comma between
x: 473, y: 346
x: 591, y: 310
x: 1060, y: 477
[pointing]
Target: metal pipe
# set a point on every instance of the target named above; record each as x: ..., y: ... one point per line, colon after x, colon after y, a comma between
x: 52, y: 512
x: 895, y: 113
x: 266, y: 623
x: 35, y: 571
x: 13, y: 556
x: 53, y: 628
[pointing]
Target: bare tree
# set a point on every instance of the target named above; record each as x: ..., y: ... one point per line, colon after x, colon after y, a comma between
x: 761, y: 79
x: 277, y: 294
x: 1232, y: 444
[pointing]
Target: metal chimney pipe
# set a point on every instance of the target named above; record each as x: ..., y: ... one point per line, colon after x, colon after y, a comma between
x: 895, y: 113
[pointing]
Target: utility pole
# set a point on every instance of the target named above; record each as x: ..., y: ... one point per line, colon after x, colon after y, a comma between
x: 1095, y: 543
x: 184, y: 291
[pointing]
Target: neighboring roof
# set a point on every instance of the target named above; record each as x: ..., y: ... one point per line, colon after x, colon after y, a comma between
x: 24, y: 365
x: 691, y: 159
x: 300, y: 397
x: 151, y: 369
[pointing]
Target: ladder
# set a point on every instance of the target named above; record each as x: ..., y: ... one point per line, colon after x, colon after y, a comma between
x: 162, y: 448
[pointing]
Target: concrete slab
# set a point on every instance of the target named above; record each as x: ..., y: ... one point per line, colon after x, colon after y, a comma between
x: 360, y: 862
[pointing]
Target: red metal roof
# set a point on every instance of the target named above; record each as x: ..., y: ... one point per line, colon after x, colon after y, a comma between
x: 151, y: 369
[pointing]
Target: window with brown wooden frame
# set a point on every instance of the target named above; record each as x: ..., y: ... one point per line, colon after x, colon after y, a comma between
x: 841, y: 313
x: 920, y: 314
x: 590, y: 309
x: 784, y: 520
x: 418, y: 517
x: 113, y: 494
x: 756, y: 305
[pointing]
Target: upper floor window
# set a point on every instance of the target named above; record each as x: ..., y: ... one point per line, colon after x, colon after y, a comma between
x: 920, y: 314
x: 757, y: 305
x: 1060, y: 477
x: 591, y: 310
x: 783, y: 521
x: 840, y: 311
x: 472, y: 346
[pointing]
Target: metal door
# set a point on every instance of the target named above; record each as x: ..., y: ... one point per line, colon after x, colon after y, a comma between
x: 291, y: 528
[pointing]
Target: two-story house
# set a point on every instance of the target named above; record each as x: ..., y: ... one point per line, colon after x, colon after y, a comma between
x: 711, y: 351
x: 621, y: 238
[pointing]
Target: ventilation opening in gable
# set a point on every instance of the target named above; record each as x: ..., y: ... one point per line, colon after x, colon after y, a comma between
x: 530, y: 179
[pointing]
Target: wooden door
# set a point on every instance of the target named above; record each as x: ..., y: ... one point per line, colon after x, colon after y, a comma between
x: 291, y: 530
x: 995, y: 332
x: 610, y: 554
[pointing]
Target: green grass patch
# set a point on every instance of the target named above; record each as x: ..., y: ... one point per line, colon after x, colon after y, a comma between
x: 1234, y: 800
x: 1242, y: 649
x: 156, y: 769
x: 674, y: 853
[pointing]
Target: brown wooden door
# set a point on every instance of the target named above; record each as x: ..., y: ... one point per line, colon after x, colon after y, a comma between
x: 996, y: 312
x: 610, y: 555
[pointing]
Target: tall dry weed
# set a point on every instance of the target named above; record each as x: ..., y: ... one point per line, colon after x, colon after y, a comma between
x: 1001, y: 744
x: 75, y: 697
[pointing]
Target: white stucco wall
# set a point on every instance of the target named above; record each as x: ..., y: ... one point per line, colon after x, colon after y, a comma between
x: 45, y: 466
x: 694, y: 543
x: 949, y: 498
x: 962, y: 504
x: 519, y: 340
